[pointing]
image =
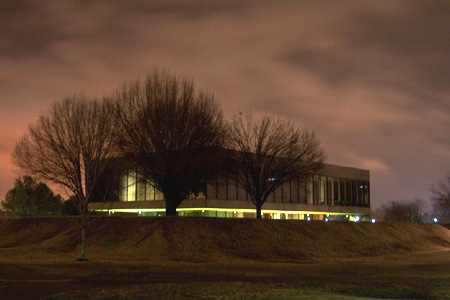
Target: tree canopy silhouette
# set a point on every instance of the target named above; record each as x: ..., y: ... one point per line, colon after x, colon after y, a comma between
x: 31, y: 198
x: 441, y: 199
x: 270, y: 152
x: 172, y: 131
x: 70, y: 146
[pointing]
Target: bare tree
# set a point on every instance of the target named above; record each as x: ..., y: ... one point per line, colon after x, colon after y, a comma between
x: 172, y: 131
x: 441, y: 199
x: 70, y: 146
x: 403, y: 211
x: 271, y: 152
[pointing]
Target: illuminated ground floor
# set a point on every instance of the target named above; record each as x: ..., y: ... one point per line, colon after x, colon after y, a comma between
x: 235, y: 209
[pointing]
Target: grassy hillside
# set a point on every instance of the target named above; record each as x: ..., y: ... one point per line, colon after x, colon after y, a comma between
x: 213, y: 239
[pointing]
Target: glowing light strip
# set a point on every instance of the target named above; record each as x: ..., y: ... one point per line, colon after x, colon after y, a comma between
x: 136, y: 210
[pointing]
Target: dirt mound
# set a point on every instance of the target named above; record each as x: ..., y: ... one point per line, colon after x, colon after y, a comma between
x: 212, y: 239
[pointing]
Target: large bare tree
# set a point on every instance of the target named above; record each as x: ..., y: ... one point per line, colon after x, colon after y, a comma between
x: 270, y: 152
x: 441, y: 199
x: 70, y: 146
x: 172, y: 131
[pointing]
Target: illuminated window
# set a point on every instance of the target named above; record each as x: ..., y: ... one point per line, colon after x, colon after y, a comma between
x: 141, y: 187
x: 131, y: 185
x: 123, y: 190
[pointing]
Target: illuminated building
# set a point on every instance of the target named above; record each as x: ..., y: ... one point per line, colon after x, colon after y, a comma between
x: 332, y: 193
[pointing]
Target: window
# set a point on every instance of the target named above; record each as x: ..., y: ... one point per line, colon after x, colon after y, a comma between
x: 302, y: 190
x: 232, y: 187
x: 354, y: 192
x: 287, y: 192
x: 366, y: 194
x: 211, y: 188
x: 316, y: 189
x: 323, y: 187
x: 349, y: 192
x: 330, y: 193
x: 294, y: 191
x: 309, y: 190
x: 336, y: 191
x: 141, y: 187
x: 131, y: 195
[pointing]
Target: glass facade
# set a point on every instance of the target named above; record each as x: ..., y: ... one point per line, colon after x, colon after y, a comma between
x: 135, y: 185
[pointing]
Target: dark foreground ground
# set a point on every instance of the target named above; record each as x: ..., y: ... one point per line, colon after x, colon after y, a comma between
x: 201, y: 258
x: 414, y: 276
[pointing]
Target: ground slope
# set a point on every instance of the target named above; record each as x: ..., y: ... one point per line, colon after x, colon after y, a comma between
x: 213, y: 239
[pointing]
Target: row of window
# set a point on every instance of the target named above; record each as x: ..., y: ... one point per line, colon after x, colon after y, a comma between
x: 314, y: 190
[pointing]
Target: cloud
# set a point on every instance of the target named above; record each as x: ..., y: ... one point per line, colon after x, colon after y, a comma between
x: 370, y: 77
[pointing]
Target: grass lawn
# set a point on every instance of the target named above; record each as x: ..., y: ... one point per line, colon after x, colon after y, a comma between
x: 414, y: 276
x: 202, y: 258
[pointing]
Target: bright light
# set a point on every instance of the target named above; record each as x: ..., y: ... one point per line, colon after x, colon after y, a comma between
x: 374, y: 221
x: 436, y: 220
x: 309, y: 219
x: 357, y: 219
x: 326, y: 219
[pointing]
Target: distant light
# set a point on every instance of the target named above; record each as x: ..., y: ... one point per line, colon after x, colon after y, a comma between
x: 357, y: 219
x: 436, y: 220
x: 374, y: 221
x: 272, y: 179
x: 326, y: 219
x: 309, y: 219
x: 140, y: 212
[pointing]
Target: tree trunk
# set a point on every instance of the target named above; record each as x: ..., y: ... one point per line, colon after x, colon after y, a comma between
x: 83, y: 236
x: 258, y: 211
x: 171, y: 208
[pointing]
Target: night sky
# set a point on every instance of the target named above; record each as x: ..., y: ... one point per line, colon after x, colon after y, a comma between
x: 371, y: 78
